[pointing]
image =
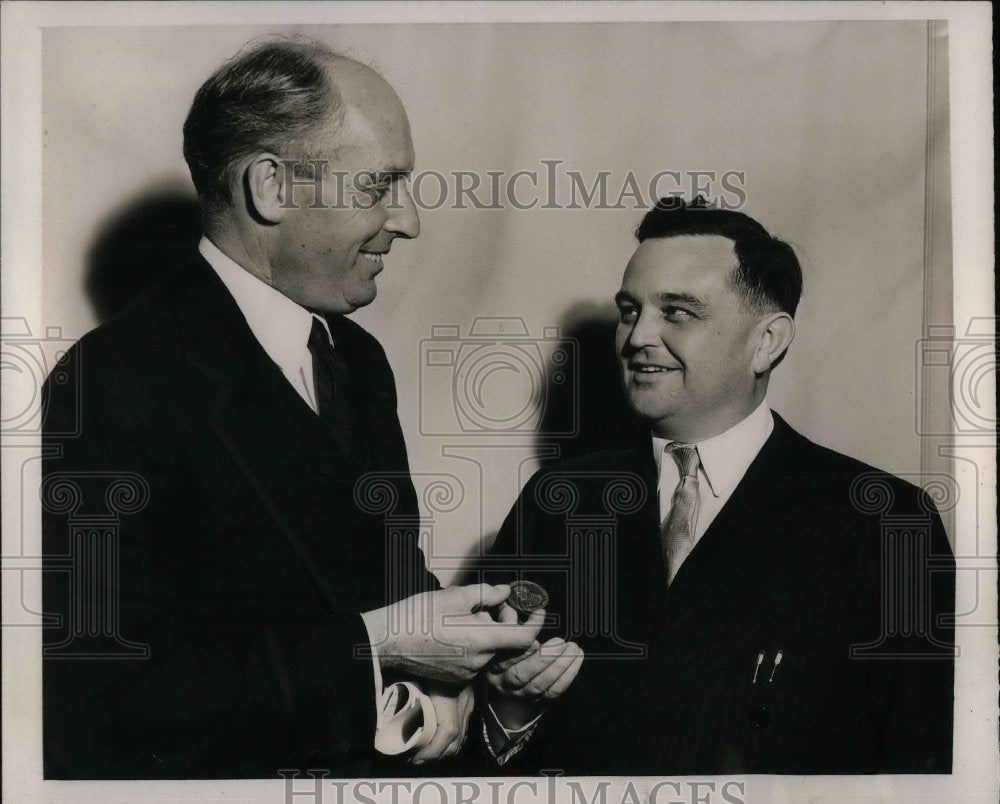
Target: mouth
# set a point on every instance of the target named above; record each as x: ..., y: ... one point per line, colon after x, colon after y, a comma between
x: 374, y: 257
x: 650, y: 368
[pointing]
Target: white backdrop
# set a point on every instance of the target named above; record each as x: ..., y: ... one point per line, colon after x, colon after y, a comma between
x: 827, y: 122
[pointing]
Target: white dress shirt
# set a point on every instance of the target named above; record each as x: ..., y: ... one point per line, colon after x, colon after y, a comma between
x: 724, y: 459
x: 282, y: 328
x: 280, y: 325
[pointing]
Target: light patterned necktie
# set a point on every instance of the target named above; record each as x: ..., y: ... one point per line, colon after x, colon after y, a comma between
x: 677, y: 531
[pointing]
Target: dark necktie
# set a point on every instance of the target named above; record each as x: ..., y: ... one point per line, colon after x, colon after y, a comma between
x: 331, y: 381
x: 678, y: 528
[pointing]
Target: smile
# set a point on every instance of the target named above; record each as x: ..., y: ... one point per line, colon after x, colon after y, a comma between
x: 646, y: 368
x: 376, y: 259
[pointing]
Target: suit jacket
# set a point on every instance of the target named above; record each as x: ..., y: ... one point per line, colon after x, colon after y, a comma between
x: 845, y: 570
x: 206, y: 557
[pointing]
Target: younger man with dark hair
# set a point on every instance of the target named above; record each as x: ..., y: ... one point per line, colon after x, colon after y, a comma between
x: 747, y: 601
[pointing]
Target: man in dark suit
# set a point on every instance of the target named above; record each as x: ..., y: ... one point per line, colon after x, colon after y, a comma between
x: 230, y: 528
x: 747, y: 601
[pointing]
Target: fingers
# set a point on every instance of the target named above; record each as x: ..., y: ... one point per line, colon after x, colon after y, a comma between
x: 562, y: 683
x: 484, y: 594
x: 507, y: 615
x: 520, y: 636
x: 435, y: 749
x: 490, y: 637
x: 472, y: 598
x: 535, y: 622
x: 447, y: 732
x: 463, y: 726
x: 545, y: 674
x: 503, y: 665
x: 544, y: 681
x: 522, y: 673
x: 453, y: 713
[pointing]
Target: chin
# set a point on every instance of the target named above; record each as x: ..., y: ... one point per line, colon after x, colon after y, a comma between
x: 649, y: 410
x: 650, y: 402
x: 363, y: 299
x: 331, y: 306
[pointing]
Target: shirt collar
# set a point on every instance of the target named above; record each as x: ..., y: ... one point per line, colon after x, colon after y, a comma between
x: 280, y: 325
x: 726, y: 457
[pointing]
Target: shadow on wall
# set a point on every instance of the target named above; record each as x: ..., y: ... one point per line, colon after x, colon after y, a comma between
x: 585, y: 408
x: 584, y: 405
x: 137, y: 245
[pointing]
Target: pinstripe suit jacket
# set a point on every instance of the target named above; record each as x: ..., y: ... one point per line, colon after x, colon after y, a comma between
x: 845, y: 570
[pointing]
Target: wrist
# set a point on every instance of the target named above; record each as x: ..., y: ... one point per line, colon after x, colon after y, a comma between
x: 512, y: 714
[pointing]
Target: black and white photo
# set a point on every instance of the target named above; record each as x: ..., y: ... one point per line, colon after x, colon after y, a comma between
x: 397, y: 397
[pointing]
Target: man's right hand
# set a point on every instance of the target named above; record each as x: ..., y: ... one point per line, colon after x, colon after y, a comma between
x: 447, y: 635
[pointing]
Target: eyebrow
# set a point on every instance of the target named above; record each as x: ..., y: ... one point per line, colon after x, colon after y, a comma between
x: 390, y: 174
x: 696, y: 304
x: 684, y: 298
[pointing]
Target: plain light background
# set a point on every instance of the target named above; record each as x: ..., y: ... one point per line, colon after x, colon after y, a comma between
x: 828, y: 122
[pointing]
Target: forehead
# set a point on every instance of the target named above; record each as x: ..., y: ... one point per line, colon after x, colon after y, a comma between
x: 372, y: 129
x: 380, y: 138
x: 696, y: 264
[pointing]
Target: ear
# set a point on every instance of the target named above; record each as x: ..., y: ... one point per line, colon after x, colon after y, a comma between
x: 266, y: 188
x: 774, y: 336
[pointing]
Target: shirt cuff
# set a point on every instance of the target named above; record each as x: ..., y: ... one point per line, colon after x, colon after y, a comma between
x: 509, y: 733
x: 514, y: 739
x: 513, y: 746
x: 377, y: 676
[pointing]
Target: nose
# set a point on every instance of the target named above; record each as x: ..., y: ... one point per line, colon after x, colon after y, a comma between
x: 403, y: 220
x: 644, y: 332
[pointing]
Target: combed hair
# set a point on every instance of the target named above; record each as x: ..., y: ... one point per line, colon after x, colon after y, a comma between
x: 768, y: 274
x: 269, y: 97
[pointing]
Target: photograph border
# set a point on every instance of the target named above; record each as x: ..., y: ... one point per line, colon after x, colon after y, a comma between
x: 970, y: 99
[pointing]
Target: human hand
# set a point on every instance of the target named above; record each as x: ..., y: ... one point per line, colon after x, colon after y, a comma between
x: 519, y: 685
x: 447, y: 635
x: 452, y: 706
x: 540, y: 673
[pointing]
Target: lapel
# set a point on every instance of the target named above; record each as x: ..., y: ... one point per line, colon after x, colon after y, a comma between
x: 723, y: 595
x: 286, y: 454
x: 373, y: 400
x: 748, y: 536
x: 639, y: 552
x: 623, y: 589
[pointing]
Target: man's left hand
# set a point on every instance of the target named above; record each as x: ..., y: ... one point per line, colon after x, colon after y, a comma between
x: 543, y: 672
x: 452, y: 706
x: 540, y: 673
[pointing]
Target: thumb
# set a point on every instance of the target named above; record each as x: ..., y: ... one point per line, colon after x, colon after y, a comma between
x: 521, y: 636
x: 534, y: 622
x: 484, y: 594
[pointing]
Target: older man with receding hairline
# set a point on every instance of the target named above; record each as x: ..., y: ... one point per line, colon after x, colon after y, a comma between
x: 254, y: 625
